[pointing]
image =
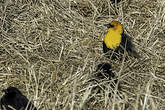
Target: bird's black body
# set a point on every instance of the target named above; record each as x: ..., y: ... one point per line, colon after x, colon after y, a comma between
x: 15, y: 99
x: 104, y: 70
x: 125, y: 46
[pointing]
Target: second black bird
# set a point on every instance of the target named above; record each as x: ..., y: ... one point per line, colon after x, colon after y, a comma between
x: 13, y: 98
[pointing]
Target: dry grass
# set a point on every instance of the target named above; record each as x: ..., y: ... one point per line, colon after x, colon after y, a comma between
x: 50, y: 50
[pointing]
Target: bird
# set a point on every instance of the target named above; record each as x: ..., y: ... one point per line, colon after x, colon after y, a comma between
x: 115, y: 1
x: 117, y: 42
x: 104, y: 70
x: 104, y: 73
x: 13, y: 99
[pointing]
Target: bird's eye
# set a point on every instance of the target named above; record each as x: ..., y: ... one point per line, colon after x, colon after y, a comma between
x: 109, y: 25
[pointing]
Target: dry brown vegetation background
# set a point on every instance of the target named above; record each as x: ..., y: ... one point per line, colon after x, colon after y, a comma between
x: 49, y: 49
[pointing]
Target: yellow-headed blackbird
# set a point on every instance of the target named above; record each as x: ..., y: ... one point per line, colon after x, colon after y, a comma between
x: 119, y: 42
x: 13, y: 99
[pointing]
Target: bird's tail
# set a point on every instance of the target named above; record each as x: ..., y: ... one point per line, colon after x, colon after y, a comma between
x: 134, y: 54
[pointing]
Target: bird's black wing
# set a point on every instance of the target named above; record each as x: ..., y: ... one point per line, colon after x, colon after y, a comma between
x: 127, y: 44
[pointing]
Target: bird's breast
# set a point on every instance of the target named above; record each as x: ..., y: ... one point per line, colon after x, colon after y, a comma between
x: 112, y: 40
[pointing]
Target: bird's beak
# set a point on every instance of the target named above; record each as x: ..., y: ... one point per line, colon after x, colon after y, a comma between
x: 108, y: 25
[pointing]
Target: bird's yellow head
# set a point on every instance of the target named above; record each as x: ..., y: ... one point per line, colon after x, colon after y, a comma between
x: 115, y: 26
x: 114, y: 36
